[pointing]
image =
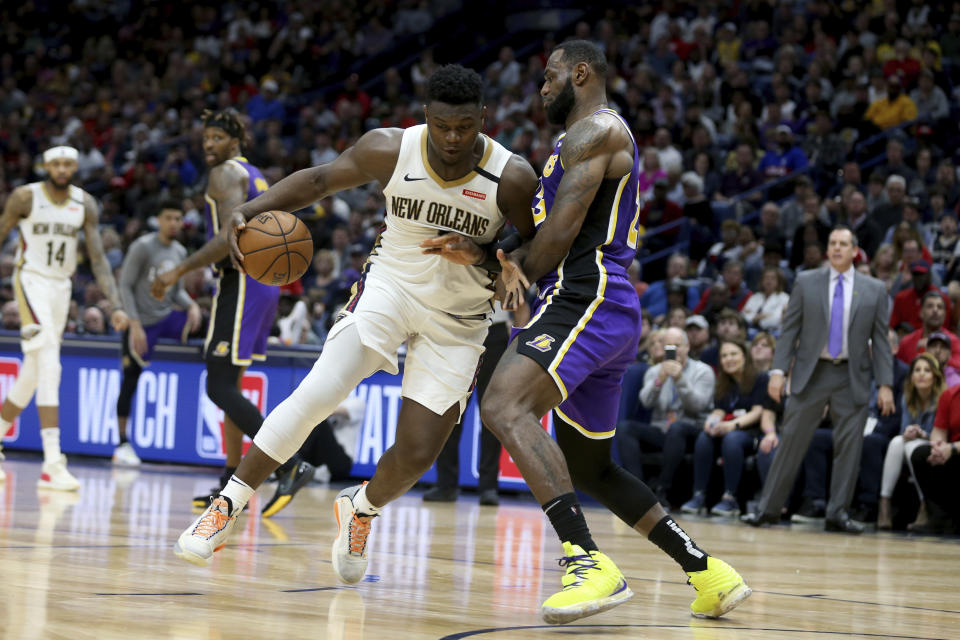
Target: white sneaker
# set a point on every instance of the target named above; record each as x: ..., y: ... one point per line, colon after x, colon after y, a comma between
x: 207, y: 534
x: 125, y: 456
x: 350, y: 547
x: 54, y: 475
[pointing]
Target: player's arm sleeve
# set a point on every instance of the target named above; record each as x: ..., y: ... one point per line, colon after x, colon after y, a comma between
x: 131, y: 271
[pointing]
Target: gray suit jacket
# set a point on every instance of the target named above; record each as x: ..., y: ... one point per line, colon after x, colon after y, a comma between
x: 806, y: 325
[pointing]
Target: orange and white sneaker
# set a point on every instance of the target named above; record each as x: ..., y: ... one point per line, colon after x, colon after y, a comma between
x: 54, y: 476
x: 208, y: 533
x: 350, y: 547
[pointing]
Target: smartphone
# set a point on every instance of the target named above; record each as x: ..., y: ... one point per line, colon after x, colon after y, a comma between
x: 670, y: 352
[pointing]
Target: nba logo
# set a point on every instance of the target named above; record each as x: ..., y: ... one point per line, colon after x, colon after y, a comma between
x: 9, y: 370
x: 210, y: 443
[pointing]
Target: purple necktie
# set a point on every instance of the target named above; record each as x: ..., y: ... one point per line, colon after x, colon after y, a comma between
x: 835, y: 345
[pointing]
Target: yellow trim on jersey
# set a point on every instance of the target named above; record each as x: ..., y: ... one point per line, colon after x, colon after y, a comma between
x: 46, y: 193
x: 238, y: 320
x: 579, y: 427
x: 213, y: 318
x: 214, y: 217
x: 584, y: 319
x: 612, y: 227
x: 446, y: 184
x: 27, y: 316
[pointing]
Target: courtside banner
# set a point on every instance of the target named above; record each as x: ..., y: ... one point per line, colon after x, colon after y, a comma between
x: 172, y: 420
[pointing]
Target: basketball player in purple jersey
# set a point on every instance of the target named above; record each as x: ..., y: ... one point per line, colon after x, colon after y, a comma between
x: 234, y: 339
x: 583, y: 334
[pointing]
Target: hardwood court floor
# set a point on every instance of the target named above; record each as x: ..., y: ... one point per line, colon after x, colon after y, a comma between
x: 99, y: 565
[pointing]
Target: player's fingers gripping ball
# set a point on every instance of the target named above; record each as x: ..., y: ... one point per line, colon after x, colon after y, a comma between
x: 276, y: 247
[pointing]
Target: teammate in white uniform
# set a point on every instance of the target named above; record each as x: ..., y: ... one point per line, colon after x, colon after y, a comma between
x: 438, y: 178
x: 50, y: 215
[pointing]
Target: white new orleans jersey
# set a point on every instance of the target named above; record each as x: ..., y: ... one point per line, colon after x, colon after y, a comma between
x: 48, y: 236
x: 422, y: 205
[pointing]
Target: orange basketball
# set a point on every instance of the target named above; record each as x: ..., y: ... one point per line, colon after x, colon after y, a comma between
x: 276, y: 247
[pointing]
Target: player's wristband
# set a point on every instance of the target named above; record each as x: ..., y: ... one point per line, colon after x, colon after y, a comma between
x: 508, y: 244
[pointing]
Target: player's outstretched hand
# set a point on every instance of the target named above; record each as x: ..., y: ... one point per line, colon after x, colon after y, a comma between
x: 513, y: 280
x: 119, y: 320
x: 162, y: 283
x: 237, y: 224
x: 455, y: 247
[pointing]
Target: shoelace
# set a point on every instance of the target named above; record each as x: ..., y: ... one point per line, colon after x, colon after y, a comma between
x: 357, y: 535
x: 578, y: 566
x: 212, y: 521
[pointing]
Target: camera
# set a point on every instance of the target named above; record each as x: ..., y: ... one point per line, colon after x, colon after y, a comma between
x: 670, y: 352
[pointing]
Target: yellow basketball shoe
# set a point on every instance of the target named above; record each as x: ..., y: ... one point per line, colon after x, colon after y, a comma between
x: 592, y: 584
x: 719, y: 589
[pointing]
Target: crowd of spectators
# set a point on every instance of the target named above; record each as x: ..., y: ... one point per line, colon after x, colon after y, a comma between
x: 760, y: 126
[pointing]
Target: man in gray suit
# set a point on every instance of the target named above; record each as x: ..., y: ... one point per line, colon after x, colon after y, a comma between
x: 833, y: 315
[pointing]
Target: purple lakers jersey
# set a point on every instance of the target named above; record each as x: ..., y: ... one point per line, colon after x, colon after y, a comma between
x: 607, y: 242
x: 256, y: 184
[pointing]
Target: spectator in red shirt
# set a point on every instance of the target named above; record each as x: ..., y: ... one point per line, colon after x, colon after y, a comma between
x: 932, y: 314
x: 659, y: 210
x: 902, y: 64
x: 907, y: 303
x: 733, y: 279
x: 936, y: 465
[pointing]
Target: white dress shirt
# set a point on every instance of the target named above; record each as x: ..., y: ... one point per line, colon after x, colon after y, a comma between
x: 847, y: 303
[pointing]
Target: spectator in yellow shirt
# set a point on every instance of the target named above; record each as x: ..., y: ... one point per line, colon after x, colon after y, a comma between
x: 894, y: 109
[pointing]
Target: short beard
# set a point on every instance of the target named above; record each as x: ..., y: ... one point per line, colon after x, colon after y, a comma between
x: 562, y: 105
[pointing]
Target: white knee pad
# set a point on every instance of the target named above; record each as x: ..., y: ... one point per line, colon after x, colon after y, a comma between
x: 342, y: 365
x: 48, y: 377
x: 22, y: 390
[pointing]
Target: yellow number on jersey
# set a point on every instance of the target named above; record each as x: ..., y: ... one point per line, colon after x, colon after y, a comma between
x: 539, y: 207
x: 551, y: 163
x: 260, y: 184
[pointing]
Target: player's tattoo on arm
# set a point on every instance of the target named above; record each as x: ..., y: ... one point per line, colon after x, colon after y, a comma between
x: 99, y: 264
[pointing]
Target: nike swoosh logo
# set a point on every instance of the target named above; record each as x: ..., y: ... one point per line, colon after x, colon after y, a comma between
x: 407, y: 178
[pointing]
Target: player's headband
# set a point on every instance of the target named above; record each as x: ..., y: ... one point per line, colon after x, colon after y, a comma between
x: 63, y: 151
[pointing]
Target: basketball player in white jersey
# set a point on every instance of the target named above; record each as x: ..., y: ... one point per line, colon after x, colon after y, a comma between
x: 50, y: 216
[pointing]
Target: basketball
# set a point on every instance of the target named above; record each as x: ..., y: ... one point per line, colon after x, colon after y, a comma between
x: 276, y: 247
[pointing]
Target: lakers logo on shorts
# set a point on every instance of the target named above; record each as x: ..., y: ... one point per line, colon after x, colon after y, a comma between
x: 542, y: 343
x: 222, y: 349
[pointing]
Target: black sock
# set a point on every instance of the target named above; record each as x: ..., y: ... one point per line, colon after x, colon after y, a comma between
x: 226, y: 475
x: 668, y: 535
x: 566, y: 516
x: 122, y: 433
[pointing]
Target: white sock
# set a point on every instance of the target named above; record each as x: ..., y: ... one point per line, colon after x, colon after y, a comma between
x: 239, y: 493
x: 362, y: 505
x: 51, y: 444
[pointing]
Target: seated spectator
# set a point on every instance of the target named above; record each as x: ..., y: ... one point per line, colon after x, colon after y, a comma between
x: 911, y: 218
x: 703, y: 166
x: 940, y: 346
x: 896, y: 164
x: 732, y: 280
x: 908, y: 304
x: 890, y: 213
x: 764, y: 309
x: 762, y: 348
x: 930, y: 99
x: 922, y: 390
x: 773, y: 254
x: 654, y: 299
x: 11, y: 315
x: 883, y: 266
x: 727, y: 249
x: 650, y: 172
x: 944, y: 247
x: 695, y: 206
x: 93, y: 322
x: 751, y: 251
x: 869, y: 233
x: 792, y: 213
x: 650, y: 349
x: 812, y: 230
x: 659, y: 211
x: 677, y: 316
x: 893, y: 109
x: 936, y: 466
x: 731, y: 431
x: 698, y: 335
x: 824, y: 147
x: 670, y: 158
x: 678, y: 391
x: 911, y: 250
x: 784, y: 158
x: 730, y: 325
x: 743, y: 176
x: 770, y: 226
